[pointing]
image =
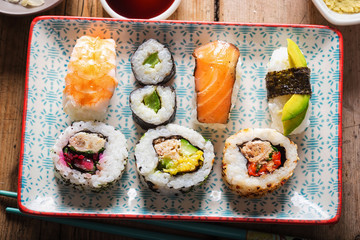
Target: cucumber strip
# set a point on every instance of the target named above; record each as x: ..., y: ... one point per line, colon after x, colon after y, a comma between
x: 152, y: 59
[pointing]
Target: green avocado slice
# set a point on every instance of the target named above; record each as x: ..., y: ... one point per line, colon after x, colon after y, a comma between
x: 153, y: 101
x: 296, y: 58
x: 165, y: 163
x: 291, y: 124
x: 294, y: 106
x: 152, y: 59
x: 186, y: 148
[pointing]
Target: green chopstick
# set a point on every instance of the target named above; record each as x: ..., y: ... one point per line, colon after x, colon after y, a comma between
x: 8, y: 194
x: 102, y: 227
x: 204, y: 228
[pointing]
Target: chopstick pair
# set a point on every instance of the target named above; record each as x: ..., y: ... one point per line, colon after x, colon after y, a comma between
x: 202, y: 228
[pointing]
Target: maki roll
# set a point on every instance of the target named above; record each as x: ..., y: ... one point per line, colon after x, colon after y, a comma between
x: 217, y: 79
x: 173, y: 159
x: 90, y: 155
x: 152, y: 63
x: 90, y: 81
x: 153, y: 106
x: 258, y: 161
x: 289, y: 90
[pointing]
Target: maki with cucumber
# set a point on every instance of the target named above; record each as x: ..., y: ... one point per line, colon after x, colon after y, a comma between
x: 153, y: 105
x: 152, y: 63
x: 173, y: 159
x: 289, y: 89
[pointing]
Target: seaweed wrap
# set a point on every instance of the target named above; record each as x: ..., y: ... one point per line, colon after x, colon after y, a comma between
x: 152, y: 63
x: 153, y: 106
x: 258, y: 161
x: 90, y: 155
x: 173, y: 159
x: 289, y: 90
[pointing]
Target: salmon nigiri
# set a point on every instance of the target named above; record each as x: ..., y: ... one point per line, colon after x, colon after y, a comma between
x: 215, y: 75
x: 90, y: 81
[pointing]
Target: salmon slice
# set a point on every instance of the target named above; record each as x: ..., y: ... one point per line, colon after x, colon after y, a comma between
x: 215, y: 74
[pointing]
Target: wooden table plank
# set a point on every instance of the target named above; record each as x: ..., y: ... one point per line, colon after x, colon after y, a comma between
x: 260, y: 11
x: 195, y: 10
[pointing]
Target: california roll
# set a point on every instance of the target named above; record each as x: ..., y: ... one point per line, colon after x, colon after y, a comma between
x: 173, y: 159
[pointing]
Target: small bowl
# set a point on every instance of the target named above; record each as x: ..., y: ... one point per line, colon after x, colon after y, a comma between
x: 334, y: 17
x: 16, y: 9
x: 162, y: 16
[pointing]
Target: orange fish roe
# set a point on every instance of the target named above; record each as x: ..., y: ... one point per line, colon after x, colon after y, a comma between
x: 90, y: 78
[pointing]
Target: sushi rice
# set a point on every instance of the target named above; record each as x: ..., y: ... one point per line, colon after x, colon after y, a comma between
x: 162, y: 182
x: 111, y: 164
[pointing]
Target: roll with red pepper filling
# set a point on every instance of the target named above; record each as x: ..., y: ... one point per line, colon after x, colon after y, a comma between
x: 90, y: 155
x: 258, y: 161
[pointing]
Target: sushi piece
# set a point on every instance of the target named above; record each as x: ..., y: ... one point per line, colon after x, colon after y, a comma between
x: 289, y: 90
x: 152, y: 63
x: 153, y: 106
x: 215, y: 75
x: 258, y: 161
x: 173, y: 159
x: 90, y: 81
x: 90, y: 155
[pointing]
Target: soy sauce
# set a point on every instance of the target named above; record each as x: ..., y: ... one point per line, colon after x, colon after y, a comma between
x: 143, y: 9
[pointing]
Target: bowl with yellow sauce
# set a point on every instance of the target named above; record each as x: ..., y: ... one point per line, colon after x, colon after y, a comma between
x: 339, y: 12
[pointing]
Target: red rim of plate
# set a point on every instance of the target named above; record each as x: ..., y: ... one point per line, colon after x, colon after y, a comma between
x: 333, y: 220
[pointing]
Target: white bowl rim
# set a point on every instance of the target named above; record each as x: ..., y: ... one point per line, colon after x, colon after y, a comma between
x: 162, y: 16
x: 334, y: 17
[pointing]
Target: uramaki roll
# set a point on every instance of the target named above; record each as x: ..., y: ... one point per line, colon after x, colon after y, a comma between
x: 173, y: 159
x: 90, y: 155
x: 258, y: 161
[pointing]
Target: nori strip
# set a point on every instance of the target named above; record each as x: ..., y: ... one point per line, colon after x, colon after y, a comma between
x: 289, y: 81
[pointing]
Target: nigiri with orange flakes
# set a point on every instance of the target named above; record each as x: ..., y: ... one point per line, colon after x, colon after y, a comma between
x: 215, y: 81
x: 90, y: 81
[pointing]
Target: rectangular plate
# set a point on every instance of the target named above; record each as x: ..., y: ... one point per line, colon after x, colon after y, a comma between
x: 312, y: 195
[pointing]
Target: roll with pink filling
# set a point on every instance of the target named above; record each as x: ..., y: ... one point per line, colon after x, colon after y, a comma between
x: 90, y: 155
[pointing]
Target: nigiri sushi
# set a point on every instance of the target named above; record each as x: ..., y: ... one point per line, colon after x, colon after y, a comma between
x: 90, y: 81
x: 215, y: 75
x: 289, y: 90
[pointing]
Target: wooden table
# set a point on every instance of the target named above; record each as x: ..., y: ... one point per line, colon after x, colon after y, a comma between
x: 13, y: 45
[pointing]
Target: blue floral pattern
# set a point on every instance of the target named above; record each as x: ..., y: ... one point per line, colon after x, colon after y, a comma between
x: 311, y: 194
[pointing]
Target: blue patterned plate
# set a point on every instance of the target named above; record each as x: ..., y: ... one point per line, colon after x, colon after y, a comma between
x: 312, y: 195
